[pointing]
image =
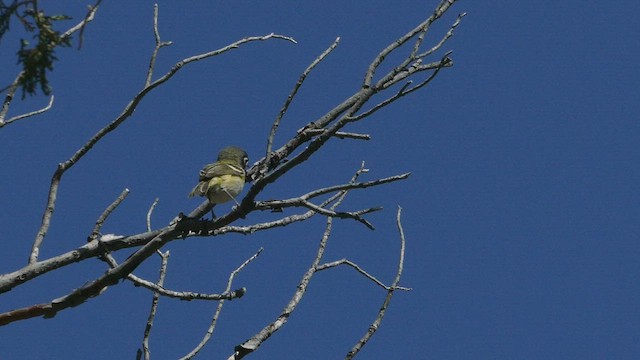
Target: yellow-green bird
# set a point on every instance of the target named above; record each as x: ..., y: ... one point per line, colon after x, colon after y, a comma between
x: 223, y: 180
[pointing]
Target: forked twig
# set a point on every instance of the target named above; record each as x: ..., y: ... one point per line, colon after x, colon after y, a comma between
x: 394, y: 286
x: 214, y: 320
x: 293, y: 93
x: 159, y: 44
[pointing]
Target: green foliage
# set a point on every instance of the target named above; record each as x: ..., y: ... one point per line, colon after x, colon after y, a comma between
x: 37, y: 60
x: 5, y: 16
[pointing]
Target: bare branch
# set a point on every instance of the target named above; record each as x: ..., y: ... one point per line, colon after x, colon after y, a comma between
x: 185, y: 295
x: 420, y: 29
x: 96, y: 287
x: 11, y: 91
x: 214, y: 320
x: 356, y: 215
x: 355, y: 266
x: 182, y: 295
x: 250, y: 229
x: 334, y: 120
x: 405, y: 89
x: 105, y: 214
x: 92, y: 288
x: 293, y: 93
x: 341, y: 134
x: 154, y: 306
x: 222, y: 50
x: 23, y: 116
x: 87, y: 19
x: 444, y: 39
x: 151, y: 208
x: 394, y: 286
x: 159, y: 44
x: 278, y: 204
x: 90, y: 14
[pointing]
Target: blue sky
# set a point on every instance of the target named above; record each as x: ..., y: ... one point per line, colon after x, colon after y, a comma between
x: 521, y: 214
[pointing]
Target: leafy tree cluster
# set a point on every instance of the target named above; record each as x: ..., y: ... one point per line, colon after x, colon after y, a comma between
x: 38, y: 56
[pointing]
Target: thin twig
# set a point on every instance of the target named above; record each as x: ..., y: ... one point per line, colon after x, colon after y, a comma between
x: 341, y: 134
x: 406, y: 89
x: 423, y: 27
x: 355, y: 215
x: 415, y: 68
x: 154, y: 306
x: 159, y: 44
x: 105, y: 214
x: 182, y: 295
x: 444, y: 39
x: 11, y: 91
x: 24, y: 116
x: 186, y: 295
x: 80, y: 26
x: 151, y: 208
x: 214, y: 320
x: 355, y: 266
x: 394, y: 286
x: 303, y: 200
x: 250, y: 229
x: 90, y: 14
x: 293, y: 93
x: 277, y: 204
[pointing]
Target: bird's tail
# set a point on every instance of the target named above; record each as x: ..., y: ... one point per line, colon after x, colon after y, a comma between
x: 200, y: 189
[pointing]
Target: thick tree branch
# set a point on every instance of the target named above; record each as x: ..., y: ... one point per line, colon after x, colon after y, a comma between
x: 93, y: 288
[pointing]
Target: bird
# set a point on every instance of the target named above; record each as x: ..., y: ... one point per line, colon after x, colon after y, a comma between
x: 224, y: 179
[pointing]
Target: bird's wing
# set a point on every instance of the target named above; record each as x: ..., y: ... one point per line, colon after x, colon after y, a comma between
x: 219, y: 169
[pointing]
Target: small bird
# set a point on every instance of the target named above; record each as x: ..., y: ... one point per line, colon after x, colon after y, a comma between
x: 223, y: 180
